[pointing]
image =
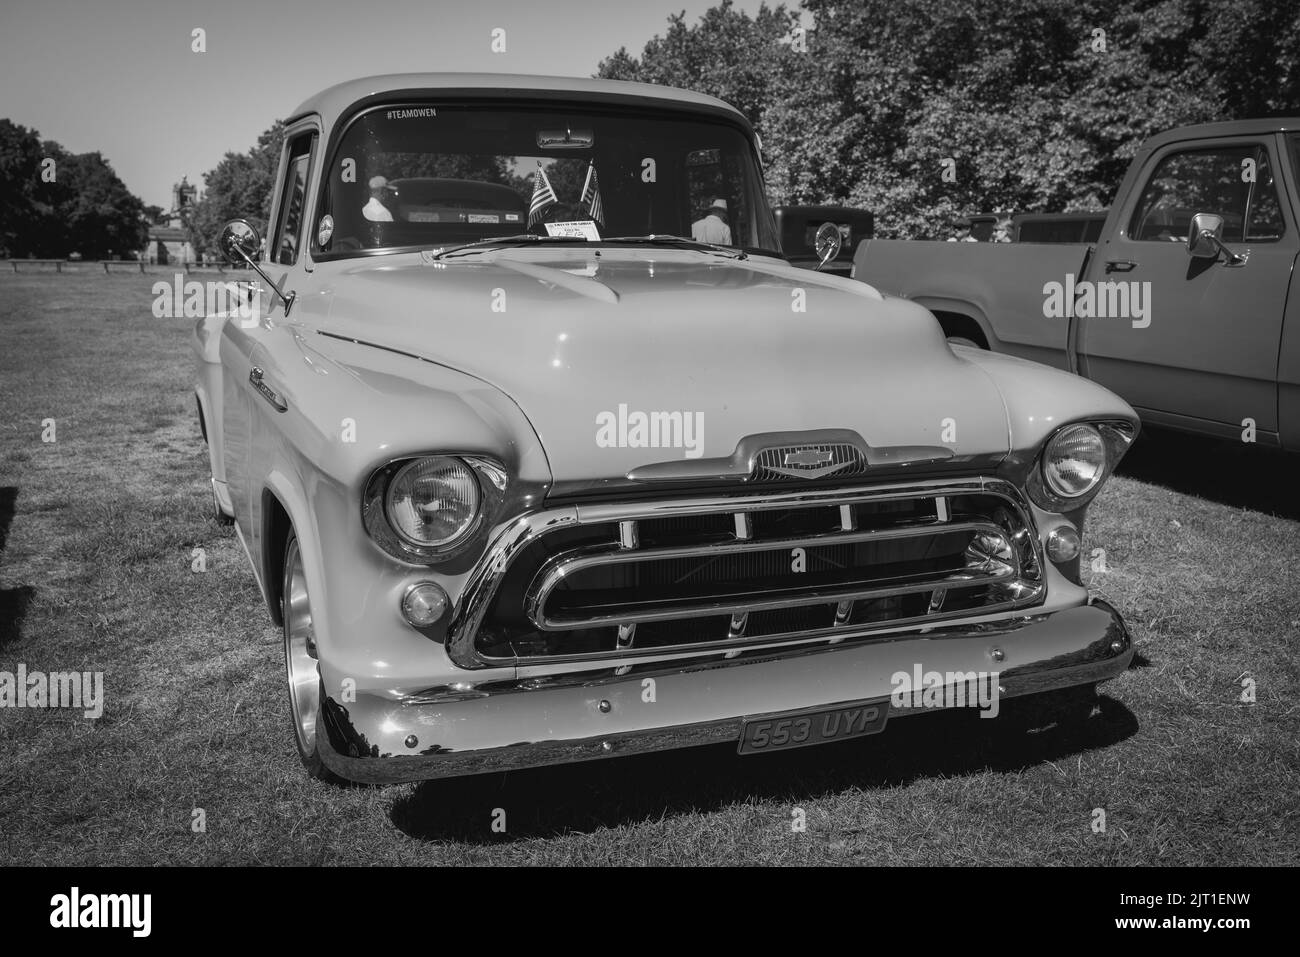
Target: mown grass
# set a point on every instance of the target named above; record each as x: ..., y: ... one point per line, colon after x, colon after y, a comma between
x: 96, y: 574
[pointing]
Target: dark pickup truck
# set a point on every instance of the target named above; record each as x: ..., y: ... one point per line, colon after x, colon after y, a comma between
x: 1182, y: 304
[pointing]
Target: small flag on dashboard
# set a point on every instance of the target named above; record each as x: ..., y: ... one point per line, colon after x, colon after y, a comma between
x: 543, y: 196
x: 591, y: 196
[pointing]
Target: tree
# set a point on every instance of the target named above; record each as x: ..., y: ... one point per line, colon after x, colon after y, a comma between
x: 744, y: 60
x: 238, y: 187
x: 1026, y: 105
x: 20, y: 173
x: 94, y: 214
x: 53, y: 202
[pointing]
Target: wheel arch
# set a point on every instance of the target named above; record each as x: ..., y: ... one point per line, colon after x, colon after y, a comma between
x: 284, y: 509
x: 963, y: 323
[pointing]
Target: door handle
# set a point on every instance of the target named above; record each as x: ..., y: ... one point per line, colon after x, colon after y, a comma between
x: 1120, y: 265
x: 266, y: 392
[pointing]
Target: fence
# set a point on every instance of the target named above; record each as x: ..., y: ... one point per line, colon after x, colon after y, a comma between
x: 77, y: 265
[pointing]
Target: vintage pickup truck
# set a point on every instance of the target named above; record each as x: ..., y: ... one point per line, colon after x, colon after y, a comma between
x: 528, y: 476
x: 1183, y: 306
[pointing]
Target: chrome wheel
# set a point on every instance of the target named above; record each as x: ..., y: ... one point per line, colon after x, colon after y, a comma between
x: 300, y: 650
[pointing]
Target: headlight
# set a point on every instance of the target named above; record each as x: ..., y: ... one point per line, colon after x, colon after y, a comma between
x: 432, y: 502
x: 1075, y: 463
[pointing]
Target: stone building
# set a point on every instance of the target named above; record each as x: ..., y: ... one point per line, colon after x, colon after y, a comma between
x: 169, y: 242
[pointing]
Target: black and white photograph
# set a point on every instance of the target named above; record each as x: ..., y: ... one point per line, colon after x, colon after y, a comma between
x: 653, y: 433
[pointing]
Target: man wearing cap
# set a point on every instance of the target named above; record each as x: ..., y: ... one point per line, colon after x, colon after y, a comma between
x: 713, y: 227
x: 375, y: 210
x: 963, y: 227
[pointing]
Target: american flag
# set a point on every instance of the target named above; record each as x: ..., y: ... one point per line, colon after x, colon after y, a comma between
x: 543, y: 196
x: 591, y: 195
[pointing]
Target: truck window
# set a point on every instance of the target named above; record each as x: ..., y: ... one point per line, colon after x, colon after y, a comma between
x: 288, y: 225
x: 1236, y: 182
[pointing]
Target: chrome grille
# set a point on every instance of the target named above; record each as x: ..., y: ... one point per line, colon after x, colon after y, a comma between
x: 661, y: 578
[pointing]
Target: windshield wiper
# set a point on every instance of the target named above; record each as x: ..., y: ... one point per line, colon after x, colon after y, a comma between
x: 667, y: 239
x: 521, y: 238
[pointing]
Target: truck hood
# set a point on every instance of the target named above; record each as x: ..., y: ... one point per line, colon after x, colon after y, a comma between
x: 591, y: 345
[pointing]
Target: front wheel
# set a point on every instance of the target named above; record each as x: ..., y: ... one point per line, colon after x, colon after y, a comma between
x: 301, y: 666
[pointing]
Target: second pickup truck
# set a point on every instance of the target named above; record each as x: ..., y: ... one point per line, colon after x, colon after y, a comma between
x: 1182, y: 306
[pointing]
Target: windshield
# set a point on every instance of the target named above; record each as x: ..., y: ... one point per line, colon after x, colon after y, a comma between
x: 440, y: 174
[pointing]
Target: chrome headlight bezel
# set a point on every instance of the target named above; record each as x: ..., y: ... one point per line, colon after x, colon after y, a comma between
x: 1116, y: 437
x: 490, y: 481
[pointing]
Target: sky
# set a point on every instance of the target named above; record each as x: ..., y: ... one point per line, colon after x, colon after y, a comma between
x: 121, y: 77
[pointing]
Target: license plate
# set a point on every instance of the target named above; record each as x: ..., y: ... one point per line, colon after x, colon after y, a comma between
x: 800, y: 729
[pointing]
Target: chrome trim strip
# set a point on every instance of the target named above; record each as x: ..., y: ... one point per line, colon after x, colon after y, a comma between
x: 562, y: 566
x: 830, y: 596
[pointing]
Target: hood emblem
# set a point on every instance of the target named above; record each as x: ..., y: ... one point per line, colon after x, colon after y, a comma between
x: 807, y: 458
x: 808, y: 462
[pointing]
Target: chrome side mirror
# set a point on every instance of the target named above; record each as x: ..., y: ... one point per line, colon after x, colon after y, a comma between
x: 1205, y: 239
x: 239, y: 242
x: 827, y: 243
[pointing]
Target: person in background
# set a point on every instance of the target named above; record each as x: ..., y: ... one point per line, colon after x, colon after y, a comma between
x: 713, y: 227
x: 375, y: 209
x: 1002, y: 230
x: 962, y: 227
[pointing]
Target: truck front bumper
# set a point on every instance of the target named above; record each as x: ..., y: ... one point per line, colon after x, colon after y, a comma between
x: 463, y: 730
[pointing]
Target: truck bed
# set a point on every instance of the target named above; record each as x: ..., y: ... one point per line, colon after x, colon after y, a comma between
x: 971, y: 280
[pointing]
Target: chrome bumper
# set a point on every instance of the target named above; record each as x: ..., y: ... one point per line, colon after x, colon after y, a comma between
x: 579, y: 717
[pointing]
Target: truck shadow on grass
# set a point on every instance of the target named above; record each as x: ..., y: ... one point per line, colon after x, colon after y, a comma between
x: 1231, y: 473
x: 586, y: 797
x: 14, y: 602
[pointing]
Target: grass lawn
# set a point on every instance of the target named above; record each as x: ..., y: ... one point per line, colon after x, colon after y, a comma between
x: 97, y: 537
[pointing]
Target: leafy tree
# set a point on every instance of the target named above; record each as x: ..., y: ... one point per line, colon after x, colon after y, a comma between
x: 20, y: 172
x: 1038, y: 104
x: 239, y: 187
x: 75, y: 204
x: 744, y: 60
x: 93, y: 213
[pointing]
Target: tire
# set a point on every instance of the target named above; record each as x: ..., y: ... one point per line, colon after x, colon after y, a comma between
x: 301, y: 671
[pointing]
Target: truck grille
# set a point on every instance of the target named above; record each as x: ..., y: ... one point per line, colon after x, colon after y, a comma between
x: 728, y: 572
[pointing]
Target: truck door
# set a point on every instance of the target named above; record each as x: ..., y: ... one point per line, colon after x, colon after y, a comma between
x: 1207, y: 357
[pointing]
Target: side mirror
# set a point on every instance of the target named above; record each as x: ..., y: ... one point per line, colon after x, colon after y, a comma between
x: 1205, y: 239
x: 239, y: 242
x: 827, y: 243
